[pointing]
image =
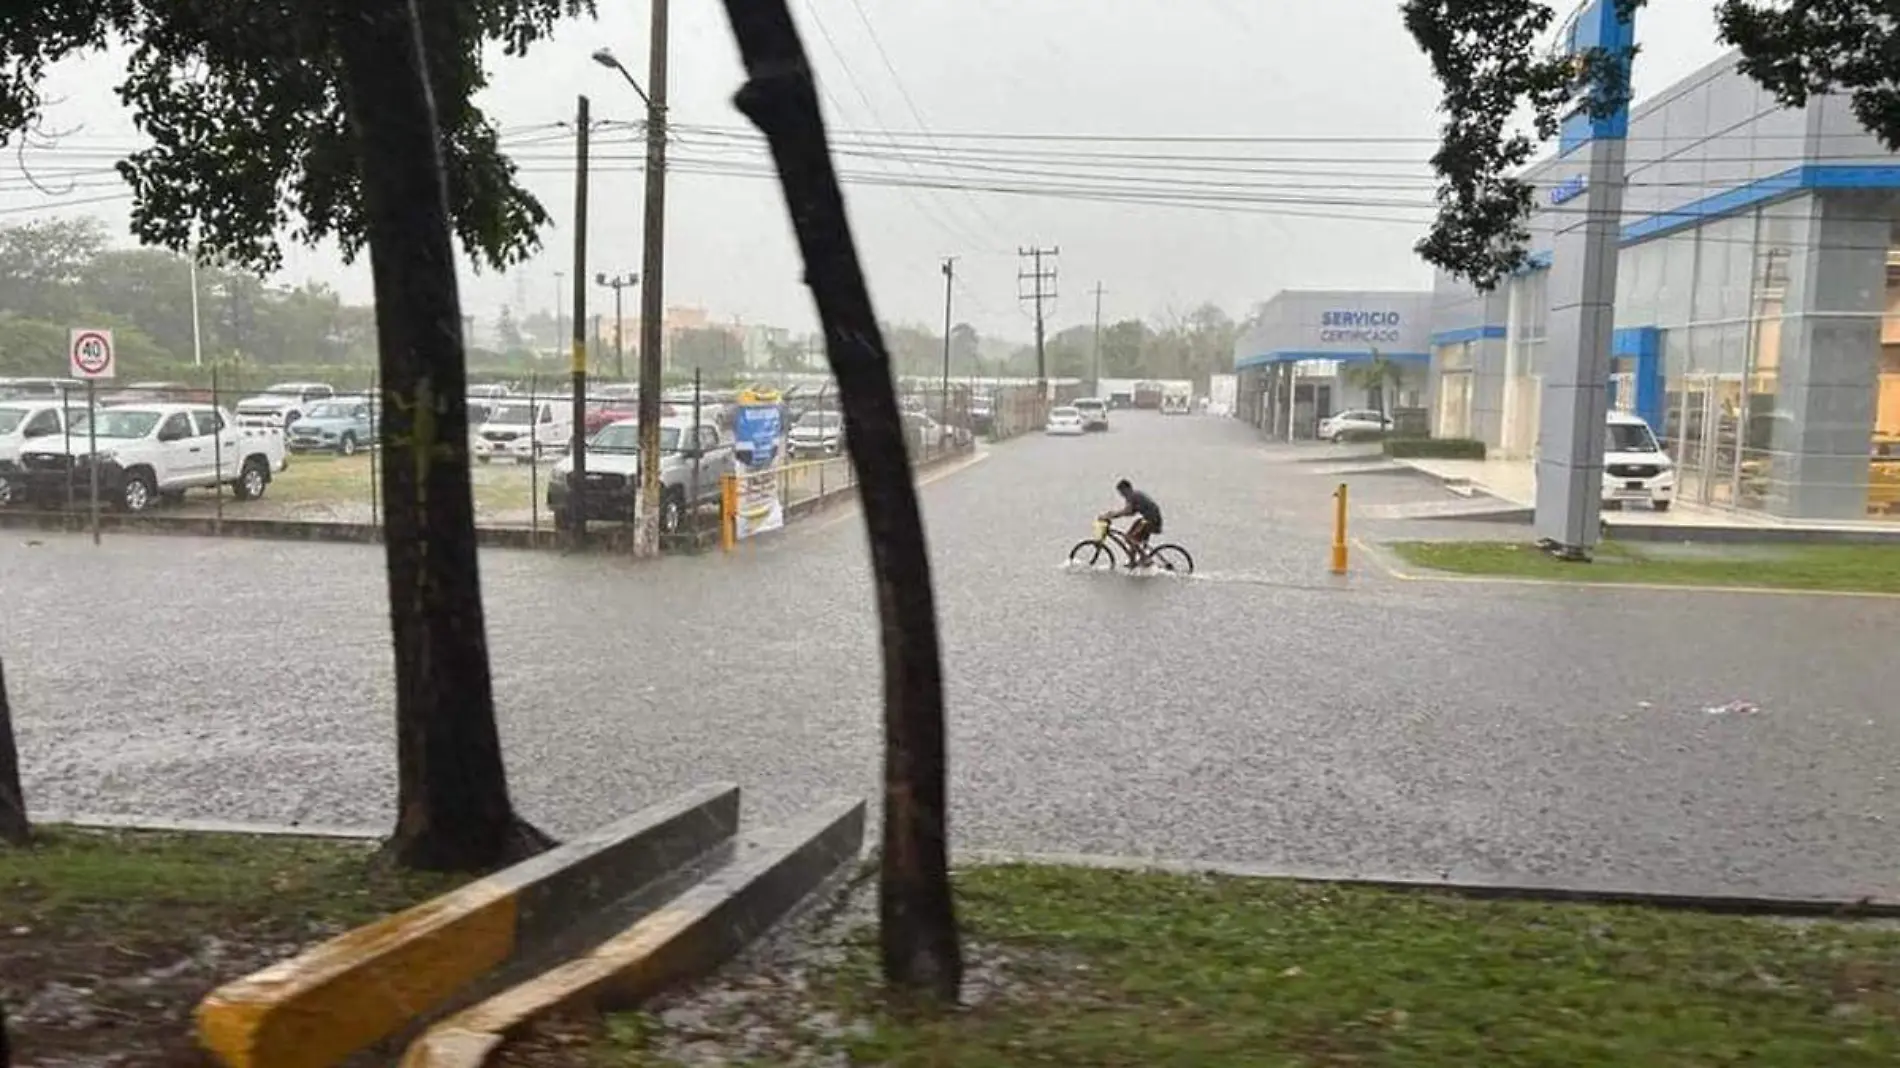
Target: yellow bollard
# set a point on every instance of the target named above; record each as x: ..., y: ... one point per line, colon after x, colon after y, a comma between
x: 1339, y: 530
x: 728, y: 511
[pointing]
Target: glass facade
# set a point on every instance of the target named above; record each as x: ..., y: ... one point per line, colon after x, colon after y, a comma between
x: 1778, y: 334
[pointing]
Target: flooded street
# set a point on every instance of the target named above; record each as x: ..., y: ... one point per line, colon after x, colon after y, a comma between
x: 1261, y: 711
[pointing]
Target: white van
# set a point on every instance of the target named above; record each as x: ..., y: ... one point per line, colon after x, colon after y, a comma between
x: 524, y: 430
x: 1635, y: 468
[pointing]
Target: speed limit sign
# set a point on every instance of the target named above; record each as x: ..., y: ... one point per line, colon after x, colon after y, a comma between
x: 92, y: 354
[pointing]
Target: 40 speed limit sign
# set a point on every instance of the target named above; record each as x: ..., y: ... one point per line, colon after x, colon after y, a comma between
x: 93, y: 355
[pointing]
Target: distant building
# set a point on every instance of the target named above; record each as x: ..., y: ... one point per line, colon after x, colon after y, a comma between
x: 1292, y: 360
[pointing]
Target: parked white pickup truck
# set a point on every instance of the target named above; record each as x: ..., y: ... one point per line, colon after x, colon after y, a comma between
x: 282, y: 404
x: 23, y: 423
x: 150, y: 452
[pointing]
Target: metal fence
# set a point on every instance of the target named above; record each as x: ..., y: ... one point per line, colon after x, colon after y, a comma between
x: 240, y: 448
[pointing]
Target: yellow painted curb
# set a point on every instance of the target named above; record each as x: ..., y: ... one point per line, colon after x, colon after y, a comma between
x: 314, y: 1010
x: 689, y: 937
x: 320, y: 1007
x: 1386, y: 564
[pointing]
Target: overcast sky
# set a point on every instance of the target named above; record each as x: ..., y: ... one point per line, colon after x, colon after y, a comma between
x: 1341, y: 74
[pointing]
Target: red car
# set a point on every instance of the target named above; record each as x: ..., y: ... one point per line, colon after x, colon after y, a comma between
x: 611, y: 410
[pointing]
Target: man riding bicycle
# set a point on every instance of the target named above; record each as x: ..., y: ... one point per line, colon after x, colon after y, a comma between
x: 1147, y: 519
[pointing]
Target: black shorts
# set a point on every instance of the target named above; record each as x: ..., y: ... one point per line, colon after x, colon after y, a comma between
x: 1146, y: 524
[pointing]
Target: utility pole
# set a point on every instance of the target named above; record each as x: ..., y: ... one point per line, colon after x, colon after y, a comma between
x: 577, y: 499
x: 943, y: 404
x: 1042, y: 287
x: 1095, y: 387
x: 560, y: 322
x: 617, y: 283
x: 652, y: 297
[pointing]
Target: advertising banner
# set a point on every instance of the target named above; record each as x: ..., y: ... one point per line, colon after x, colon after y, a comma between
x: 758, y: 431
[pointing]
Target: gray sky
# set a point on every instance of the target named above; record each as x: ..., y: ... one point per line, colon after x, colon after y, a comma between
x: 1283, y: 69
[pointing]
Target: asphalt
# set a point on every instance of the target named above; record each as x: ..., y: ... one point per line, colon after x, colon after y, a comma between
x: 1261, y: 712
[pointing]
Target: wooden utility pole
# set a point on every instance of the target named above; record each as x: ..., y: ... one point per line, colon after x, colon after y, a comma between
x: 1095, y: 387
x: 943, y: 402
x: 646, y: 540
x: 577, y: 366
x: 1042, y: 289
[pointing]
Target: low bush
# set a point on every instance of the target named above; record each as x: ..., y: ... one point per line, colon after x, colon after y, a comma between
x: 1434, y: 448
x: 1359, y: 436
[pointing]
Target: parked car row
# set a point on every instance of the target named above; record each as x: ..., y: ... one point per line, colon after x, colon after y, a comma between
x: 139, y: 454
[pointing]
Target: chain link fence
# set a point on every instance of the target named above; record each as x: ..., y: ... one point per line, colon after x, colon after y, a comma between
x: 240, y: 447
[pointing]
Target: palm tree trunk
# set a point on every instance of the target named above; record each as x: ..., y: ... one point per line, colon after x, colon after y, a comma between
x: 453, y: 809
x: 14, y: 828
x: 917, y: 928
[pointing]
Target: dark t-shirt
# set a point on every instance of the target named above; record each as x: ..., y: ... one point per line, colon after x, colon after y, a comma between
x: 1144, y: 506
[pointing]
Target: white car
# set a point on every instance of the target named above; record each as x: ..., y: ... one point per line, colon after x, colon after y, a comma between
x: 1356, y: 421
x: 816, y: 434
x: 1064, y: 420
x: 1094, y: 412
x: 24, y: 423
x: 152, y: 451
x: 524, y: 430
x: 1635, y: 468
x: 282, y: 404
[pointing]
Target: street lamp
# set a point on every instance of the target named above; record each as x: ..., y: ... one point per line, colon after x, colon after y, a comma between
x: 606, y: 58
x: 652, y: 268
x: 617, y: 283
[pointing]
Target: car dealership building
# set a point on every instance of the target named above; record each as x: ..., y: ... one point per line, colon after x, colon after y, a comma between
x: 1296, y: 361
x: 1757, y: 311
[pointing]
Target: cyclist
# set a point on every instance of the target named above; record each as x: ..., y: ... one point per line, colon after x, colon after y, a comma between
x: 1147, y: 519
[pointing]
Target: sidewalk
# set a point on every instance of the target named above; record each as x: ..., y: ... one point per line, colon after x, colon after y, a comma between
x: 1514, y: 481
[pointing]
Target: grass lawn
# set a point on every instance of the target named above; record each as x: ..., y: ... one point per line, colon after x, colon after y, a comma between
x: 109, y: 939
x: 325, y: 487
x: 1872, y: 568
x: 1090, y: 967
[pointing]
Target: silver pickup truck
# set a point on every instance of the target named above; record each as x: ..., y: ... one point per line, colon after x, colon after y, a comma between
x: 613, y: 472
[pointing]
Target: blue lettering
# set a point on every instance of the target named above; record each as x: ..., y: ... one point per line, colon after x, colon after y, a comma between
x: 1567, y: 190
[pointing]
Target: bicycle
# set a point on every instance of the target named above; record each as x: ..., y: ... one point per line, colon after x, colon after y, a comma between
x: 1101, y: 551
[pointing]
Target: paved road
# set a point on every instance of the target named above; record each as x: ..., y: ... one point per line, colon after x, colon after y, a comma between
x: 1260, y: 712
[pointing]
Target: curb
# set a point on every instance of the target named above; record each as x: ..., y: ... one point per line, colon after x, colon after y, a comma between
x: 1392, y: 569
x: 319, y: 1007
x: 161, y: 825
x: 688, y: 937
x: 1727, y: 904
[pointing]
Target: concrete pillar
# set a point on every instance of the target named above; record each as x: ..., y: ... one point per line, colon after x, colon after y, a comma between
x: 1830, y: 356
x: 1588, y: 196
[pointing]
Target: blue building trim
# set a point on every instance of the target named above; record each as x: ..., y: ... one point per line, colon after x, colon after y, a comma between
x: 1599, y: 27
x: 1289, y: 356
x: 1469, y: 333
x: 1642, y: 346
x: 1792, y: 182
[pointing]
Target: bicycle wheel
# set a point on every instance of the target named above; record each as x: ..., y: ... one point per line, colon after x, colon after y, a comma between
x: 1092, y: 554
x: 1173, y: 558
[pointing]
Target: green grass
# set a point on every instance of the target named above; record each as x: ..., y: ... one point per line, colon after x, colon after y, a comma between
x: 1866, y: 568
x: 1127, y: 969
x: 93, y: 883
x: 127, y: 930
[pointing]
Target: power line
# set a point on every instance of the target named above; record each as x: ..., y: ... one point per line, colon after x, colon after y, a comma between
x: 876, y: 119
x: 915, y: 113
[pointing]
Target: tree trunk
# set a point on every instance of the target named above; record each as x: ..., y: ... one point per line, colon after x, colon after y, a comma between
x: 14, y: 829
x: 917, y: 920
x: 453, y: 811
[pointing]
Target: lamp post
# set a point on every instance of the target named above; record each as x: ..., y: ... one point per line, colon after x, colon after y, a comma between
x: 617, y: 283
x: 652, y: 269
